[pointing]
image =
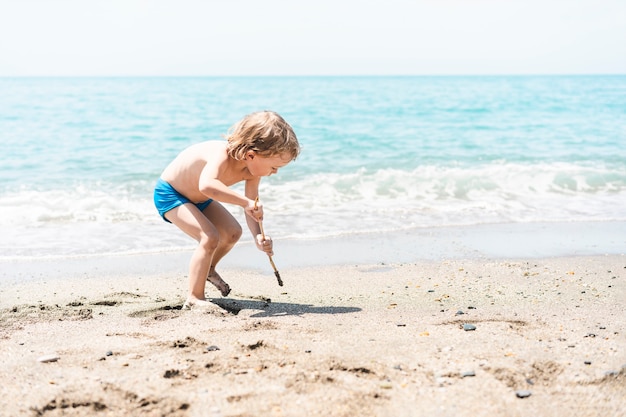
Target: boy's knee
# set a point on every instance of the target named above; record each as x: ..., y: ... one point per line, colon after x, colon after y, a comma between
x: 209, y: 241
x: 235, y: 233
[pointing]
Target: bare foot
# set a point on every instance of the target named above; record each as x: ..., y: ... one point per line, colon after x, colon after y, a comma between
x: 215, y: 279
x: 194, y: 303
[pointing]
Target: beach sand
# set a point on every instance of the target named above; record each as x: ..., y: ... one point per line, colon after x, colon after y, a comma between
x: 342, y: 339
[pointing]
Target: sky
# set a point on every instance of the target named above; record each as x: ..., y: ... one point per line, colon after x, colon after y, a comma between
x: 316, y: 37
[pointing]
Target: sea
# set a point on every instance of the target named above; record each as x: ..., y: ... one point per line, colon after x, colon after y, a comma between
x: 80, y: 156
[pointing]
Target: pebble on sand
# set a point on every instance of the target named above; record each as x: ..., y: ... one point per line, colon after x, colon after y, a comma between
x: 468, y: 327
x: 523, y: 394
x: 48, y: 358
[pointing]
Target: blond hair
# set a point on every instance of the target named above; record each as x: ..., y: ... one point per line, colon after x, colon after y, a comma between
x: 264, y: 132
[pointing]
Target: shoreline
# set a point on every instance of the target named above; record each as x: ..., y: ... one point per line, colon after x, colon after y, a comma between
x: 490, y: 241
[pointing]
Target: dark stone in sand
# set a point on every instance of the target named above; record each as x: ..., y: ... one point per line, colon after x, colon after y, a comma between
x: 459, y: 313
x: 468, y: 373
x: 212, y: 348
x: 109, y: 353
x: 523, y: 394
x: 171, y: 373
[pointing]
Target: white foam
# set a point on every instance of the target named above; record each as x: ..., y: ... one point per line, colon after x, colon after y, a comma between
x: 92, y: 220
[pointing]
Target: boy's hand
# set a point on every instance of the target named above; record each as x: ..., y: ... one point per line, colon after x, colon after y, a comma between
x: 265, y: 245
x: 255, y: 210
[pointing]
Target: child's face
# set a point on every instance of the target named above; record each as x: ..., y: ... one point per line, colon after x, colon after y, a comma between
x: 264, y: 166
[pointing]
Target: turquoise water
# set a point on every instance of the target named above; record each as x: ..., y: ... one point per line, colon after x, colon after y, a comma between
x: 80, y: 155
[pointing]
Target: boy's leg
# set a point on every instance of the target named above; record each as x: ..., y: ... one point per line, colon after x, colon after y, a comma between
x: 193, y: 222
x: 228, y: 228
x: 229, y: 232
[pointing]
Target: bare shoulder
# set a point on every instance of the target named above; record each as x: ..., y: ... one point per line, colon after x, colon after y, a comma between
x: 210, y: 152
x: 208, y: 149
x: 188, y: 165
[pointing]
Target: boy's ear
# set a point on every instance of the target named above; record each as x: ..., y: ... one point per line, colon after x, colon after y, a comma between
x: 250, y: 155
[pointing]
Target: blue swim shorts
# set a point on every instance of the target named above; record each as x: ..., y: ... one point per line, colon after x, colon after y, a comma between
x: 167, y: 198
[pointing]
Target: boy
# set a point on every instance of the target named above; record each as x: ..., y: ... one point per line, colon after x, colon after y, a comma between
x: 192, y: 187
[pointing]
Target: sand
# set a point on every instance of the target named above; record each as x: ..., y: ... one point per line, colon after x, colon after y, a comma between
x: 351, y: 339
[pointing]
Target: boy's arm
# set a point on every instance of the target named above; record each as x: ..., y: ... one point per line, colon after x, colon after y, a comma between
x: 252, y: 192
x: 210, y: 185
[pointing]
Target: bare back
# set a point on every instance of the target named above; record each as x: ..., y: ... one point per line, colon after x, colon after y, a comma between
x: 202, y: 159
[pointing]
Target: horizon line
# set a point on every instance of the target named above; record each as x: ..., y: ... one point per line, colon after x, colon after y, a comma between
x: 315, y: 75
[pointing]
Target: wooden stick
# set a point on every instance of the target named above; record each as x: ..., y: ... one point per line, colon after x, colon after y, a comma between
x: 280, y: 281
